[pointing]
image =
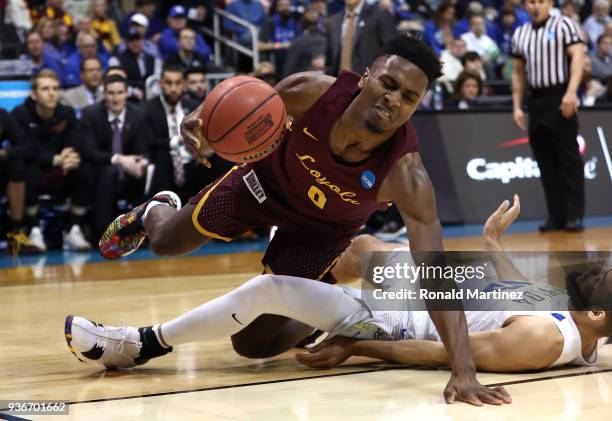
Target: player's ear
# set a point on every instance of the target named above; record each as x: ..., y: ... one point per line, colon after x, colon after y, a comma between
x: 597, y: 315
x: 364, y: 78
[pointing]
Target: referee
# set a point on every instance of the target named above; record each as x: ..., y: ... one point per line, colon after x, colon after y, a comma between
x: 549, y: 54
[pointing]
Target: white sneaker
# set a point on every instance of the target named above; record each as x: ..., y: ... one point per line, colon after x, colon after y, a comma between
x: 37, y: 240
x: 107, y: 346
x: 74, y: 240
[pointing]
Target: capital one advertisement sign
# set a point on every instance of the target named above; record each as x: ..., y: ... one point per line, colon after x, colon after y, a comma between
x: 488, y: 159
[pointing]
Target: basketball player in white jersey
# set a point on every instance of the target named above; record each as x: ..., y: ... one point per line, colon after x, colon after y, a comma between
x: 505, y: 341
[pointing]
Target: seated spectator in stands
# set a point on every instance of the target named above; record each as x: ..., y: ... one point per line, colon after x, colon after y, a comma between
x: 608, y: 29
x: 474, y: 8
x: 467, y: 87
x: 154, y: 25
x: 115, y: 139
x: 57, y: 166
x: 137, y: 63
x: 174, y: 168
x: 438, y: 32
x: 139, y: 22
x: 186, y: 55
x: 103, y: 27
x: 196, y: 85
x: 83, y: 24
x: 507, y: 26
x: 250, y: 10
x: 414, y: 10
x: 36, y: 54
x: 12, y: 176
x: 595, y: 24
x: 473, y: 63
x: 590, y: 89
x: 306, y: 49
x: 602, y: 58
x: 17, y: 14
x: 266, y: 72
x: 199, y: 13
x: 320, y: 8
x: 54, y: 10
x: 522, y: 16
x: 49, y: 33
x: 87, y: 48
x: 169, y: 37
x: 477, y: 40
x: 89, y: 91
x: 606, y: 99
x: 277, y: 33
x: 451, y: 63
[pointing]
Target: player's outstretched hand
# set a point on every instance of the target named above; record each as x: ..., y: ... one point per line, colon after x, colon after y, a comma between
x: 193, y: 138
x: 327, y: 354
x: 467, y: 389
x: 501, y: 219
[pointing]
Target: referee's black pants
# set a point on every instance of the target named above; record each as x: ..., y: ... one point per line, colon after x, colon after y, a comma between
x: 555, y: 148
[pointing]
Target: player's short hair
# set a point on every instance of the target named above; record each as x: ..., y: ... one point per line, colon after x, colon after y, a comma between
x: 114, y: 78
x: 415, y: 51
x: 585, y: 295
x: 171, y: 68
x: 44, y: 73
x: 470, y: 56
x: 191, y: 70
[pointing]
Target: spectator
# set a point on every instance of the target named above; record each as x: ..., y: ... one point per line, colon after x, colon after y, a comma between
x: 139, y: 22
x: 472, y: 63
x: 87, y: 48
x: 590, y: 90
x: 89, y: 91
x: 174, y: 168
x: 186, y: 56
x: 308, y: 49
x: 320, y: 8
x: 49, y: 33
x: 13, y: 175
x: 602, y: 58
x: 57, y: 166
x: 137, y: 63
x: 196, y: 85
x: 507, y: 25
x: 199, y: 13
x: 104, y: 28
x: 451, y: 63
x: 438, y: 32
x: 277, y: 33
x: 266, y: 72
x: 37, y: 55
x: 355, y: 36
x: 169, y: 37
x: 82, y: 23
x: 115, y: 138
x: 16, y: 13
x: 154, y: 25
x: 474, y: 8
x: 522, y: 16
x: 250, y: 10
x: 467, y: 87
x: 595, y: 24
x: 476, y: 40
x: 54, y: 10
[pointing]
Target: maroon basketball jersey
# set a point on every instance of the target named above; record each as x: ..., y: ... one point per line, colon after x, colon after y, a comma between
x: 320, y: 187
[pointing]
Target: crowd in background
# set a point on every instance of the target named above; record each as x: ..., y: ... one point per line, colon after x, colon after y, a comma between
x: 111, y: 85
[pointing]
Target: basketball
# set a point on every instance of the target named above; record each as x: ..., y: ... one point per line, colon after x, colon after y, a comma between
x: 243, y: 119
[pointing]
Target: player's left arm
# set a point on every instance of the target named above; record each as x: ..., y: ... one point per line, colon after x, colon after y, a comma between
x: 409, y: 186
x: 527, y: 343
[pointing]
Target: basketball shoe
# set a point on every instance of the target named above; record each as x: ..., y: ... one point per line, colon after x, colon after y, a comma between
x: 109, y: 346
x: 126, y: 233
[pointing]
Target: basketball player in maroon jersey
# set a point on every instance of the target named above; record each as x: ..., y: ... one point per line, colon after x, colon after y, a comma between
x: 349, y: 152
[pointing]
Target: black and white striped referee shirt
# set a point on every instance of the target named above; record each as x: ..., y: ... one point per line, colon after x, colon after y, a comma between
x: 544, y: 50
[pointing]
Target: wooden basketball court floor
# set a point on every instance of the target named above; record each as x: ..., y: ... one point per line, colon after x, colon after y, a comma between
x: 209, y: 381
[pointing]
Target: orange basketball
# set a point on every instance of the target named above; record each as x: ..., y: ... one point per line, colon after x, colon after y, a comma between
x: 243, y: 119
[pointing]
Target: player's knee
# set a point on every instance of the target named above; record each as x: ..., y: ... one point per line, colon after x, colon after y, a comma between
x: 249, y: 349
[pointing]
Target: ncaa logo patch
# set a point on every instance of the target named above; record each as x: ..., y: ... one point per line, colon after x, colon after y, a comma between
x: 551, y: 35
x: 368, y: 179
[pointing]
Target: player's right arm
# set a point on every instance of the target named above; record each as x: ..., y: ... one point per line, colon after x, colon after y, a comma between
x: 299, y: 92
x: 526, y: 343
